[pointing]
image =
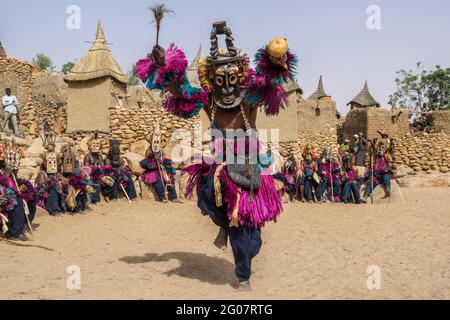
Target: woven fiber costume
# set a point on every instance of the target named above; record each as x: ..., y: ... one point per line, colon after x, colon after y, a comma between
x: 95, y: 160
x: 329, y: 170
x: 50, y: 187
x: 159, y: 170
x: 383, y: 170
x: 238, y: 194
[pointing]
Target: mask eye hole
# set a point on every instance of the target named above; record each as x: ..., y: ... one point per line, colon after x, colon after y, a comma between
x: 233, y: 79
x: 219, y: 81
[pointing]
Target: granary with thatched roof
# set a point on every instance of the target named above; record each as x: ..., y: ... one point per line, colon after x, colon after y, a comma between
x: 367, y: 117
x: 95, y: 83
x: 319, y: 94
x: 364, y: 99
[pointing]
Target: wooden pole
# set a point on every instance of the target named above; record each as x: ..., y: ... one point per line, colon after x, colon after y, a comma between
x: 124, y: 191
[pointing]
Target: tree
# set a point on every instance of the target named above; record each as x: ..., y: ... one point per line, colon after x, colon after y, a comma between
x: 410, y: 89
x: 133, y: 77
x: 437, y: 85
x: 422, y: 90
x: 67, y: 67
x: 44, y: 63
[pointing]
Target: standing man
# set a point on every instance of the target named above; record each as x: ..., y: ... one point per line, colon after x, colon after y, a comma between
x: 10, y: 104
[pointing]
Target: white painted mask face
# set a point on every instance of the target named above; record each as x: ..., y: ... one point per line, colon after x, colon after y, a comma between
x: 95, y: 146
x: 156, y: 142
x: 52, y: 163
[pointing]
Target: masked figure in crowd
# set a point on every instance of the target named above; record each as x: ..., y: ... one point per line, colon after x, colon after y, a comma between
x: 159, y: 170
x: 234, y: 193
x: 329, y: 171
x: 12, y: 214
x: 69, y: 164
x: 309, y: 168
x: 289, y: 177
x: 115, y: 169
x: 51, y: 191
x: 13, y: 155
x: 350, y: 181
x: 95, y: 160
x: 383, y: 170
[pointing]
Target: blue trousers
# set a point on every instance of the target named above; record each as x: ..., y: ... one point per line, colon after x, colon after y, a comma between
x: 95, y: 197
x: 17, y: 220
x: 112, y: 192
x: 54, y: 203
x: 323, y: 187
x: 32, y: 209
x: 160, y: 192
x: 386, y: 182
x: 308, y: 189
x: 245, y: 241
x: 350, y: 187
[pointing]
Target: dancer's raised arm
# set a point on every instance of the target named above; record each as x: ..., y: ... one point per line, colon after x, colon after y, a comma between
x: 166, y: 70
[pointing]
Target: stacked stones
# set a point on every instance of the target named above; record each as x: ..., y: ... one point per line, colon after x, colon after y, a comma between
x: 424, y: 152
x: 289, y: 148
x: 50, y: 101
x: 320, y: 140
x: 16, y: 75
x: 130, y: 125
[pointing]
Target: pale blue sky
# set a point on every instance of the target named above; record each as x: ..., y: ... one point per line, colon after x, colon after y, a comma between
x: 330, y: 37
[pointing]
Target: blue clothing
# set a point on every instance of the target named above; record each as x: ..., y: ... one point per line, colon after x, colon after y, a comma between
x: 351, y: 187
x: 160, y: 192
x: 245, y: 241
x: 16, y: 219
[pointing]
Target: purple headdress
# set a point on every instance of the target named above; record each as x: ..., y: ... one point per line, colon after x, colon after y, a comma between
x: 190, y: 100
x: 265, y: 85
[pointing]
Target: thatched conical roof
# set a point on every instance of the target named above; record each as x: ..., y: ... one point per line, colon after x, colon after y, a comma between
x: 97, y: 63
x: 319, y: 93
x: 192, y: 70
x: 2, y: 51
x: 364, y: 98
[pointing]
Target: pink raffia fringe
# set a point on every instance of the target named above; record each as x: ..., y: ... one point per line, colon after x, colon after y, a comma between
x: 265, y: 206
x: 149, y: 177
x: 176, y: 63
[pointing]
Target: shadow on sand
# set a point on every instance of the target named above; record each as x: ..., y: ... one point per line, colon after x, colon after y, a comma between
x: 198, y: 266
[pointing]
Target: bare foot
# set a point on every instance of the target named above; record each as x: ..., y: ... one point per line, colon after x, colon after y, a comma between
x: 221, y: 241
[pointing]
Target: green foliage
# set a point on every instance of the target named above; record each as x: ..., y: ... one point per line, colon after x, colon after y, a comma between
x: 437, y: 84
x: 133, y: 77
x: 422, y: 90
x: 67, y: 67
x: 44, y: 63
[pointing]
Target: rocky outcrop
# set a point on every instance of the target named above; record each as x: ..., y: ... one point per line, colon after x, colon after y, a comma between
x: 435, y: 180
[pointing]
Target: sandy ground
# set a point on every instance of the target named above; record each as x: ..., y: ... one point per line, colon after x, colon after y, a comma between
x: 151, y: 251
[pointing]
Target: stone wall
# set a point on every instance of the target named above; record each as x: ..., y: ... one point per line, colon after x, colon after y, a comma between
x: 50, y: 101
x: 371, y: 120
x: 317, y: 124
x: 16, y: 74
x: 130, y: 125
x: 424, y: 152
x: 439, y: 121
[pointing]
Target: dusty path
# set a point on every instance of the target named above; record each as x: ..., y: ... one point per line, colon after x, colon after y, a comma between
x: 149, y: 251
